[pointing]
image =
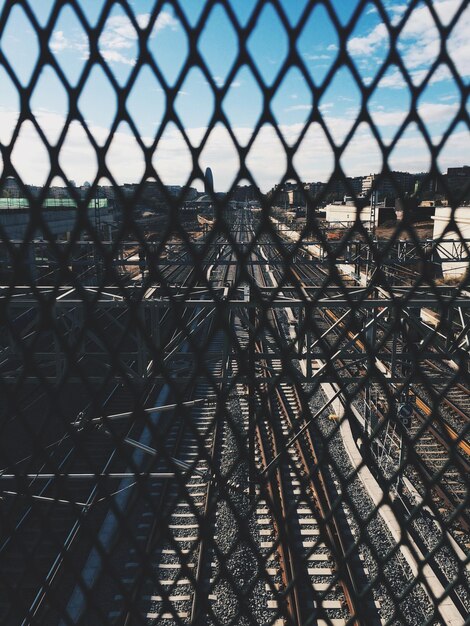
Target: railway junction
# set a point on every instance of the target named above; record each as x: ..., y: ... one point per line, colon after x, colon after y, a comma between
x: 244, y: 428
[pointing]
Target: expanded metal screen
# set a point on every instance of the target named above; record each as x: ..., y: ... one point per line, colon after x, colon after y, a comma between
x: 247, y: 407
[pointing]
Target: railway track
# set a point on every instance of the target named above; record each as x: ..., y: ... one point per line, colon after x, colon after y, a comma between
x: 65, y: 519
x: 430, y: 445
x: 313, y: 550
x: 315, y: 582
x: 455, y: 405
x: 240, y: 509
x: 183, y: 494
x: 430, y: 438
x: 177, y: 587
x: 38, y: 585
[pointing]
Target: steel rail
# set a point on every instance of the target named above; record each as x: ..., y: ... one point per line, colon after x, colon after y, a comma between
x: 200, y: 606
x: 51, y: 577
x: 360, y: 609
x: 276, y: 497
x: 155, y: 532
x: 464, y: 465
x: 334, y: 528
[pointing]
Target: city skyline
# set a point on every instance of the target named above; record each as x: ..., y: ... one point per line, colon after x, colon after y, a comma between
x: 338, y: 106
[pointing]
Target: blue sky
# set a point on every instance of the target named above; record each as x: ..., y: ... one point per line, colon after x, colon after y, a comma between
x: 317, y: 46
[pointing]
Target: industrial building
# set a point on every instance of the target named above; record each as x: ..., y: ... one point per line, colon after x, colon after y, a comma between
x: 454, y: 244
x: 57, y: 217
x: 344, y: 214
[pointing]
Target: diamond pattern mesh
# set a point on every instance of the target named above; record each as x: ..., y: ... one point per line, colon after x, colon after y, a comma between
x: 216, y: 413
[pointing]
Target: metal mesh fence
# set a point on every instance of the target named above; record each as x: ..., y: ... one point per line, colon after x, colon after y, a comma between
x: 214, y: 411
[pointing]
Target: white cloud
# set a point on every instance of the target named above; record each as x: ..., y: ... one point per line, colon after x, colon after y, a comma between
x: 451, y: 153
x: 362, y: 154
x: 431, y: 113
x: 164, y: 20
x: 339, y: 127
x: 446, y: 9
x: 60, y: 42
x: 368, y: 43
x: 299, y: 107
x: 267, y: 160
x: 118, y: 36
x: 125, y: 158
x: 9, y: 119
x: 77, y: 149
x: 396, y: 11
x: 113, y: 56
x: 437, y: 112
x: 458, y: 43
x: 29, y: 156
x: 119, y: 31
x: 316, y: 57
x: 314, y: 159
x: 419, y: 41
x: 386, y: 119
x: 394, y: 79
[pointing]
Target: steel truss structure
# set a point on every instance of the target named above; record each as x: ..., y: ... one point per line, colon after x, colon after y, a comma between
x: 68, y: 307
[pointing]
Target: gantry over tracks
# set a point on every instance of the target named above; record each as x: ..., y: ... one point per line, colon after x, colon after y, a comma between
x: 137, y: 310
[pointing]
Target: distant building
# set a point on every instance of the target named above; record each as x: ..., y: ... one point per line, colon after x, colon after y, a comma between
x: 203, y: 201
x: 208, y: 181
x: 174, y: 190
x: 296, y: 197
x: 279, y: 194
x: 337, y: 188
x: 344, y: 214
x: 427, y: 186
x: 58, y: 192
x: 451, y: 244
x: 10, y: 188
x: 397, y: 185
x: 411, y: 210
x: 458, y: 182
x: 314, y: 189
x: 367, y: 183
x: 59, y: 215
x: 458, y: 175
x: 246, y: 193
